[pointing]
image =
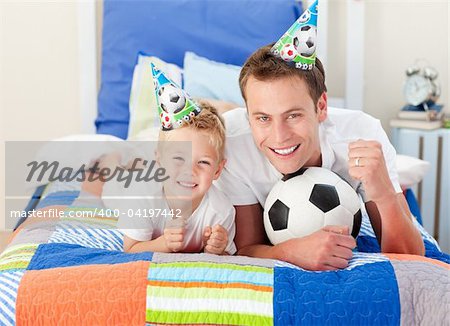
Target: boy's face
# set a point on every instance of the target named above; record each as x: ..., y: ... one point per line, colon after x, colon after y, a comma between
x: 285, y: 122
x: 191, y: 162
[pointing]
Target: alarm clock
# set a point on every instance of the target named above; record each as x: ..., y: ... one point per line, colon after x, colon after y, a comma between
x: 421, y: 86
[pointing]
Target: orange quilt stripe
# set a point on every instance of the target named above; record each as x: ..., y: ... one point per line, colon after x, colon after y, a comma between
x: 211, y: 285
x: 84, y: 295
x: 417, y: 258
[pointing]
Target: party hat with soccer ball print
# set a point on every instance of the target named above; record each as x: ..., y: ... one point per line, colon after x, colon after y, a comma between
x: 175, y: 107
x: 298, y: 44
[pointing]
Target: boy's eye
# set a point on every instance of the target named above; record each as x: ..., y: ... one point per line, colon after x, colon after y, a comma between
x: 204, y: 162
x: 178, y: 158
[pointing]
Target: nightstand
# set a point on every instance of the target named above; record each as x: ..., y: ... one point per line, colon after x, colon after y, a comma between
x: 433, y: 193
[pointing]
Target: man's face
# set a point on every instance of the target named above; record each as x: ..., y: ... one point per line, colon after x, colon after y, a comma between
x: 285, y: 122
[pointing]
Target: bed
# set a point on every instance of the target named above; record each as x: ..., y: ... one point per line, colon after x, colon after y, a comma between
x: 69, y: 267
x: 71, y: 270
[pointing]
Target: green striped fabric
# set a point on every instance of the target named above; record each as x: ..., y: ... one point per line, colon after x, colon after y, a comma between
x: 209, y: 293
x: 17, y: 257
x: 89, y: 215
x: 207, y: 318
x: 203, y: 264
x: 205, y: 292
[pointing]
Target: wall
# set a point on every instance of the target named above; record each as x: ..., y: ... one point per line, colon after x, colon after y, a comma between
x: 39, y: 85
x: 397, y: 32
x: 335, y: 74
x: 38, y: 73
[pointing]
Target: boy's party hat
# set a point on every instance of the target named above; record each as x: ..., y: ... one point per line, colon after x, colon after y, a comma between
x: 298, y: 44
x: 175, y: 107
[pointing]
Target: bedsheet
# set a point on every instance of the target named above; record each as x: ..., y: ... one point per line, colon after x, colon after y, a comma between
x: 72, y: 270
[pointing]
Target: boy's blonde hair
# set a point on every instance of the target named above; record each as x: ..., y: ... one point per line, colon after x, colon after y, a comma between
x: 209, y: 121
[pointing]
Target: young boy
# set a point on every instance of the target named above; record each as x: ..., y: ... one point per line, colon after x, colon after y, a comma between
x: 185, y: 213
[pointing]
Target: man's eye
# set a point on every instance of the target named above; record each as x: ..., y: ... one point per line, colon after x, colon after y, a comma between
x: 263, y: 118
x: 293, y: 116
x: 178, y: 158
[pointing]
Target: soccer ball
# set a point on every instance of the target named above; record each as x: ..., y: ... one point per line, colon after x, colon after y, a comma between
x: 305, y: 40
x: 166, y: 120
x: 303, y: 204
x: 171, y: 99
x: 288, y: 52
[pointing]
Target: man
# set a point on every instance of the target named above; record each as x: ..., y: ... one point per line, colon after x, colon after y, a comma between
x: 288, y: 126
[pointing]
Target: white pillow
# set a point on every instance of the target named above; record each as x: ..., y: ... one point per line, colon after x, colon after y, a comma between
x: 74, y: 152
x: 148, y: 134
x: 411, y: 170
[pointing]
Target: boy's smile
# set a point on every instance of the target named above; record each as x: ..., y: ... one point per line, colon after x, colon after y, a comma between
x: 187, y: 184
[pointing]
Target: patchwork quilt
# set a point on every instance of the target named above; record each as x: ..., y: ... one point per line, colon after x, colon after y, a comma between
x: 70, y: 270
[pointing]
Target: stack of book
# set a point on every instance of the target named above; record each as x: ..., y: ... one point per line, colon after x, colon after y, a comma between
x: 417, y: 117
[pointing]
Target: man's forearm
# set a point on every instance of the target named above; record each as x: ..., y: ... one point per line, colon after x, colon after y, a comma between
x: 399, y: 235
x: 259, y: 251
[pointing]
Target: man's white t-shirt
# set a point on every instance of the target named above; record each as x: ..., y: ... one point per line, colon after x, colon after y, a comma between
x: 144, y: 213
x: 249, y: 176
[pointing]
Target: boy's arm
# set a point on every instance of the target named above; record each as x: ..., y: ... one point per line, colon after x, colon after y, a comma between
x: 156, y: 245
x: 170, y: 241
x: 327, y: 249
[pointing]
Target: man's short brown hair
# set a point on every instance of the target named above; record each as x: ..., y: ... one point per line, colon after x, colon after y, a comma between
x: 264, y: 66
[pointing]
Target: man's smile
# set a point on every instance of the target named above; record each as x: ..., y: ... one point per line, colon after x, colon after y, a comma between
x: 286, y: 150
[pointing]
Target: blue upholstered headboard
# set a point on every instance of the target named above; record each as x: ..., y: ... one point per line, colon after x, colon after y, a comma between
x: 222, y: 30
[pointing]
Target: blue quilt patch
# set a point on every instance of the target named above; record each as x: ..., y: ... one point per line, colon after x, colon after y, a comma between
x: 53, y: 255
x: 367, y: 244
x: 432, y: 252
x: 58, y: 198
x: 366, y: 295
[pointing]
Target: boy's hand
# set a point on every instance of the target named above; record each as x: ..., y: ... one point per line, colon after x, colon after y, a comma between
x: 174, y: 238
x: 215, y: 239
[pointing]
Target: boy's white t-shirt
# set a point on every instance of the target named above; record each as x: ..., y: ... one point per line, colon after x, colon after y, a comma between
x: 144, y: 212
x: 249, y: 176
